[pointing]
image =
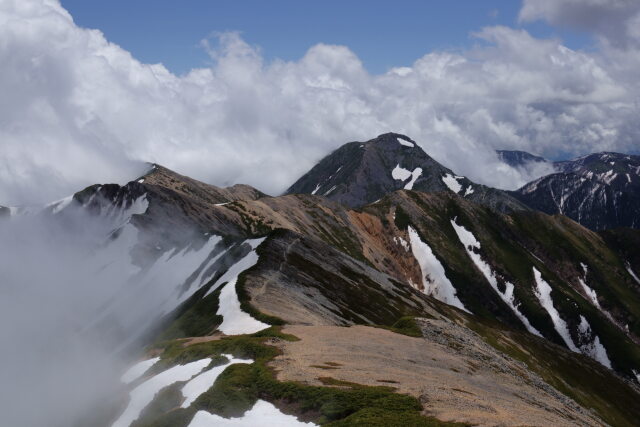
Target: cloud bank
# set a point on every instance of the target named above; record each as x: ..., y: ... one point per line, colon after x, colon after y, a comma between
x: 77, y: 109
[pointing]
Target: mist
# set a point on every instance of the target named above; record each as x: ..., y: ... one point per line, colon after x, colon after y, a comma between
x: 73, y: 312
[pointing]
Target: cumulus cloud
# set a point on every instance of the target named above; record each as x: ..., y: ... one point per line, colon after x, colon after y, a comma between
x: 77, y: 109
x: 615, y: 21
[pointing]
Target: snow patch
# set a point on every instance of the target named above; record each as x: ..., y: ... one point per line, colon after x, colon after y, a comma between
x: 405, y: 143
x: 401, y: 174
x: 414, y: 176
x: 543, y: 293
x: 232, y: 272
x: 591, y: 293
x: 235, y: 321
x: 434, y: 278
x: 143, y: 394
x: 138, y: 370
x: 262, y: 414
x: 468, y: 191
x: 590, y: 344
x: 203, y: 382
x: 636, y: 278
x: 400, y: 241
x: 330, y: 190
x: 316, y: 189
x: 470, y: 243
x: 451, y: 181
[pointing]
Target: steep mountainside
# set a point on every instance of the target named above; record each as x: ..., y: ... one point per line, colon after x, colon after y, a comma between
x: 359, y: 173
x: 599, y: 191
x: 420, y: 308
x: 517, y: 158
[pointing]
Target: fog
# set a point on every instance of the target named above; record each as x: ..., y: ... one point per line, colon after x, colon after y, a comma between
x: 67, y: 309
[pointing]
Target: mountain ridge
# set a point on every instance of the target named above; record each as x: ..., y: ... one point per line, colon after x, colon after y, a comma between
x: 537, y: 303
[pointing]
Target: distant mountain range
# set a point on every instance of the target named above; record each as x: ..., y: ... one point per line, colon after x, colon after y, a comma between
x: 600, y: 191
x: 381, y: 289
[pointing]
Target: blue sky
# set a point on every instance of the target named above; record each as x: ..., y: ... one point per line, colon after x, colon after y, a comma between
x: 383, y: 34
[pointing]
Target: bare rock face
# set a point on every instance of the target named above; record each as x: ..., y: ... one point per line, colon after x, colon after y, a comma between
x: 305, y: 281
x: 359, y: 173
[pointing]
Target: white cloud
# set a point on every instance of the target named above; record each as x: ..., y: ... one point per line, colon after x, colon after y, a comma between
x: 77, y: 109
x: 612, y: 20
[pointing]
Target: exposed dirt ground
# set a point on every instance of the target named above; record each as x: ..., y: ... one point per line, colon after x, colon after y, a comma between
x: 455, y: 375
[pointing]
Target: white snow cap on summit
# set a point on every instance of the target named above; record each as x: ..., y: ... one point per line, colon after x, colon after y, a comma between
x: 405, y: 142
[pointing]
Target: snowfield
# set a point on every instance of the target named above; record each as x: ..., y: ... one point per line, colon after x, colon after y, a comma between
x: 543, y: 293
x: 591, y: 293
x: 400, y: 174
x: 451, y: 181
x: 434, y: 279
x: 405, y: 143
x: 203, y: 382
x: 470, y: 243
x: 631, y: 272
x: 591, y: 343
x: 588, y: 343
x: 235, y: 321
x: 143, y: 394
x: 263, y: 414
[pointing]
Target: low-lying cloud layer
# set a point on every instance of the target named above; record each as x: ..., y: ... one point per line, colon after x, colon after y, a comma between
x: 76, y: 109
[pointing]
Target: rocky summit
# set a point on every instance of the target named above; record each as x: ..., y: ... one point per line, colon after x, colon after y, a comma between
x: 382, y: 289
x: 359, y: 173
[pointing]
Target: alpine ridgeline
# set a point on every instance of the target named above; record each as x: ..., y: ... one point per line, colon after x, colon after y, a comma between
x: 437, y: 301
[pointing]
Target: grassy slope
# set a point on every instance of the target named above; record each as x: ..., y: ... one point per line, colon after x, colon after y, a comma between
x: 509, y: 243
x: 240, y: 385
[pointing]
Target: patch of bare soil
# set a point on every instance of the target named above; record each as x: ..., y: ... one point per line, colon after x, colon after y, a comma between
x: 455, y: 375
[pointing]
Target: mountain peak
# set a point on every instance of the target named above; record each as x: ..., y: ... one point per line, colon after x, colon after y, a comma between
x: 392, y: 139
x: 359, y: 173
x: 517, y: 158
x: 166, y: 178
